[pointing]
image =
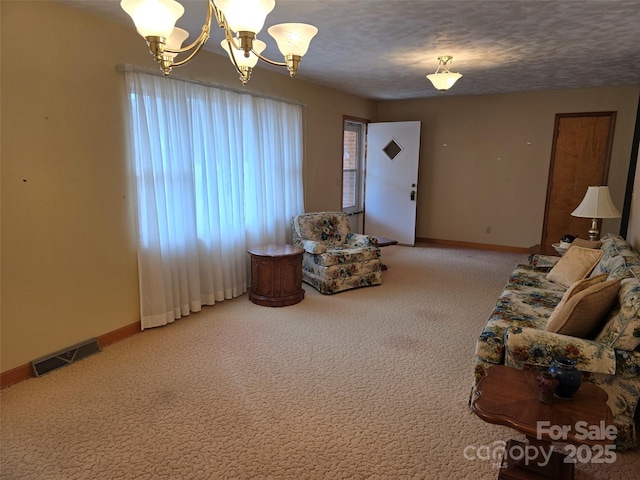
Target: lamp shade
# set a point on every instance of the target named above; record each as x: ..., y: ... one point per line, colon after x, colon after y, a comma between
x: 245, y: 15
x: 238, y: 54
x: 596, y: 203
x: 175, y: 40
x: 293, y: 38
x: 444, y: 81
x: 153, y: 18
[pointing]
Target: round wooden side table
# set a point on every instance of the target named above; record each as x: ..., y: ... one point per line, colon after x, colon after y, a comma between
x: 507, y: 396
x: 276, y: 275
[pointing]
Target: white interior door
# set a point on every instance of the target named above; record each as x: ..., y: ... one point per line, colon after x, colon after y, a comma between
x: 391, y: 180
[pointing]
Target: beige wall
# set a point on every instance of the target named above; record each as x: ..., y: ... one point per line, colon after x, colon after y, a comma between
x: 68, y: 250
x: 492, y: 173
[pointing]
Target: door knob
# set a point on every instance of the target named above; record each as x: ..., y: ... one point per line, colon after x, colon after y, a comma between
x: 412, y: 195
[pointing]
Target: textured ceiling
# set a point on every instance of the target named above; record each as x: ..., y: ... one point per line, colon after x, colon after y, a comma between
x: 383, y: 49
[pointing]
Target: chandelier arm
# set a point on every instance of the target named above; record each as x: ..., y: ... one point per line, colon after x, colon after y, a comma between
x: 220, y: 18
x: 197, y: 44
x: 270, y: 62
x: 232, y: 47
x: 190, y: 56
x: 445, y: 63
x: 204, y: 34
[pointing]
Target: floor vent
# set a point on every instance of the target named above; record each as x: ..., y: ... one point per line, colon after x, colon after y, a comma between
x: 64, y: 357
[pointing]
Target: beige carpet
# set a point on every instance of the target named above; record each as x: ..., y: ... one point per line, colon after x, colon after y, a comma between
x: 370, y: 383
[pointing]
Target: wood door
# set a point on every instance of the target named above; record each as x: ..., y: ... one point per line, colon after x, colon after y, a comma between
x: 391, y: 180
x: 580, y: 158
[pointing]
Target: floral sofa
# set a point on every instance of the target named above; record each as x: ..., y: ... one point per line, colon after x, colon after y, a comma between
x: 334, y: 258
x: 516, y: 332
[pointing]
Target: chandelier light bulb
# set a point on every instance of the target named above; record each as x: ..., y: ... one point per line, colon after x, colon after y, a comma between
x: 238, y: 54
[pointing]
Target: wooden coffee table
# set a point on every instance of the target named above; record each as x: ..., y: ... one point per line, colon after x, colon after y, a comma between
x: 507, y: 396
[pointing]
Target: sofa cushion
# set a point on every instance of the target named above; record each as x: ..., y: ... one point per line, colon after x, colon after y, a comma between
x: 584, y: 310
x: 527, y: 301
x: 579, y: 242
x: 618, y: 255
x: 622, y: 328
x: 575, y: 265
x: 621, y: 260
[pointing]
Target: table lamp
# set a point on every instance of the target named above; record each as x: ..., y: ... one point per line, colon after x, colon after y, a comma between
x: 595, y: 205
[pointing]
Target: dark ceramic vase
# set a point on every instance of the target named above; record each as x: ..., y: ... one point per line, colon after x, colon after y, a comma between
x: 569, y: 379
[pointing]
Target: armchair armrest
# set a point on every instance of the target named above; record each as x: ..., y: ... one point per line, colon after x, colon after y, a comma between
x: 313, y: 247
x: 359, y: 240
x: 541, y: 260
x: 539, y: 347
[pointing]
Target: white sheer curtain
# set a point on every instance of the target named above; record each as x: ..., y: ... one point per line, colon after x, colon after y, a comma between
x: 216, y: 172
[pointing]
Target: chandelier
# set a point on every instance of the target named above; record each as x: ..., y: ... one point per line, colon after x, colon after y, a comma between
x: 443, y: 79
x: 241, y: 20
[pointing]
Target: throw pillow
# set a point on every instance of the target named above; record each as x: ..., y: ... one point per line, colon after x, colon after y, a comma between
x: 579, y: 242
x: 581, y: 314
x: 581, y: 285
x: 574, y: 265
x: 574, y: 289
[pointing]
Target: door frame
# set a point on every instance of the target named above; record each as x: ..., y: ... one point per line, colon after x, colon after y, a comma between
x: 356, y: 219
x: 631, y: 176
x: 607, y: 160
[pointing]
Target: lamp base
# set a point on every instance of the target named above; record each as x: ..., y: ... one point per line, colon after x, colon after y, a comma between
x: 594, y: 232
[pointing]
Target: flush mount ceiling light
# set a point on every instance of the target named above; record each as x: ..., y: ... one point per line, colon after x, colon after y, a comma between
x: 443, y: 79
x: 241, y: 20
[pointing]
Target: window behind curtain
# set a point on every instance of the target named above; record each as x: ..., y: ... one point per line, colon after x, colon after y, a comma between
x: 216, y: 173
x: 354, y: 138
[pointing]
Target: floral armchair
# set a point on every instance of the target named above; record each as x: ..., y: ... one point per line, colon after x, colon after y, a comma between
x: 335, y: 259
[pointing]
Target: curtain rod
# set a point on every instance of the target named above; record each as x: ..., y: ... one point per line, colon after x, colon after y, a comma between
x: 126, y: 67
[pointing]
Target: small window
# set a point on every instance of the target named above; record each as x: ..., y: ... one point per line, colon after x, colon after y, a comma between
x: 353, y: 166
